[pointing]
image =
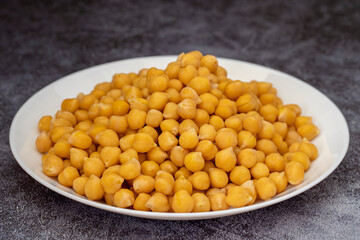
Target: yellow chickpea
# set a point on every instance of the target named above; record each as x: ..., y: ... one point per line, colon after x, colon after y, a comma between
x: 110, y: 156
x: 259, y: 170
x: 207, y: 132
x: 250, y: 188
x: 149, y: 168
x: 210, y: 62
x: 217, y: 122
x: 226, y: 139
x: 170, y: 111
x: 79, y: 185
x: 187, y: 109
x: 186, y: 125
x: 140, y: 202
x: 150, y: 131
x: 234, y: 122
x: 181, y: 183
x: 218, y: 202
x: 190, y: 59
x: 234, y: 90
x: 136, y: 119
x: 44, y: 123
x: 164, y: 182
x: 294, y: 172
x: 247, y: 102
x: 158, y: 84
x: 309, y: 131
x: 111, y: 183
x: 218, y: 177
x: 121, y: 79
x: 52, y: 165
x: 280, y: 181
x: 238, y: 196
x: 70, y: 105
x: 93, y: 166
x: 301, y: 158
x: 67, y: 176
x: 130, y: 169
x: 266, y: 146
x: 183, y: 171
x: 207, y: 148
x: 182, y: 202
x: 239, y: 175
x: 194, y: 161
x: 200, y: 180
x: 124, y: 198
x: 167, y: 141
x: 275, y: 162
x: 226, y: 108
x: 143, y: 142
x: 247, y: 157
x: 126, y: 142
x: 208, y: 102
x: 93, y: 189
x: 226, y: 159
x: 108, y: 137
x: 172, y: 70
x: 144, y: 184
x: 267, y: 130
x: 309, y: 149
x: 187, y: 73
x: 170, y: 125
x: 127, y: 155
x: 43, y: 142
x: 157, y: 154
x: 201, y: 202
x: 158, y: 202
x: 246, y: 140
x: 269, y: 112
x: 77, y: 157
x: 175, y: 84
x: 265, y: 188
x: 188, y: 139
x: 287, y: 115
x: 168, y: 166
x: 177, y: 155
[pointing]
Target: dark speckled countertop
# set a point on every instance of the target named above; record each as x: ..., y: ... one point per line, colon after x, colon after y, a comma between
x: 317, y: 41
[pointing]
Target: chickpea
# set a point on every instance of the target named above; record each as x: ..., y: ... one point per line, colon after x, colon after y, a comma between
x: 226, y: 159
x: 201, y: 202
x: 177, y: 155
x: 149, y: 168
x: 238, y: 196
x: 107, y: 137
x: 158, y: 202
x: 188, y: 139
x: 207, y: 149
x: 217, y: 122
x: 183, y: 171
x: 186, y: 125
x: 194, y: 161
x: 275, y: 162
x: 168, y: 166
x: 70, y: 105
x: 190, y: 59
x: 143, y: 142
x: 200, y: 180
x: 144, y: 184
x: 239, y: 175
x: 246, y: 103
x: 259, y: 170
x: 67, y: 176
x: 294, y: 172
x: 207, y: 132
x: 187, y: 73
x: 167, y: 141
x: 266, y: 146
x: 225, y: 139
x: 309, y: 131
x: 93, y: 166
x: 158, y: 84
x: 120, y: 79
x: 280, y: 181
x: 292, y: 137
x: 111, y: 183
x: 200, y: 84
x: 208, y: 166
x: 112, y: 169
x: 84, y: 125
x: 218, y: 202
x: 175, y: 84
x: 267, y: 130
x: 79, y: 185
x: 43, y: 142
x: 182, y: 202
x: 265, y: 188
x: 247, y: 157
x: 287, y: 115
x: 210, y: 62
x: 301, y: 158
x: 141, y: 201
x: 187, y: 109
x: 181, y: 183
x: 124, y: 198
x: 218, y: 177
x: 250, y: 188
x: 226, y: 108
x: 234, y: 90
x: 172, y: 70
x: 136, y: 119
x: 157, y: 155
x: 269, y: 112
x: 110, y: 156
x: 208, y: 102
x: 201, y: 117
x: 77, y: 157
x: 164, y: 182
x: 130, y: 169
x: 234, y: 122
x: 246, y: 140
x: 309, y: 149
x: 170, y: 125
x: 126, y: 142
x: 52, y: 165
x: 93, y: 189
x: 170, y: 111
x: 44, y: 123
x: 118, y: 124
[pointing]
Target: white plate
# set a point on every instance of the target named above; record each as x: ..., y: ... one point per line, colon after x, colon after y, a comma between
x: 332, y: 142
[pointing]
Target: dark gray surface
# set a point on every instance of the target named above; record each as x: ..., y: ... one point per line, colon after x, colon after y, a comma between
x: 318, y: 42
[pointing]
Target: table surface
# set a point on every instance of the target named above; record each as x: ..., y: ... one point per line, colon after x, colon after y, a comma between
x: 317, y: 41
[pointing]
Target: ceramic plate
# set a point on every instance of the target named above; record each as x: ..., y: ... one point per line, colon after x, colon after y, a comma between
x: 332, y: 142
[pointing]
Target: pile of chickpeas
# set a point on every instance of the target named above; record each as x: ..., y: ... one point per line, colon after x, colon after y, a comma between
x: 184, y: 139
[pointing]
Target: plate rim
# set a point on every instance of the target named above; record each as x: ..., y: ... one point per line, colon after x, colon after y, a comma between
x: 175, y: 216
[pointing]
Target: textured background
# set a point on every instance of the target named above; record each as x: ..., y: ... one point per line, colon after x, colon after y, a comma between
x: 317, y: 41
